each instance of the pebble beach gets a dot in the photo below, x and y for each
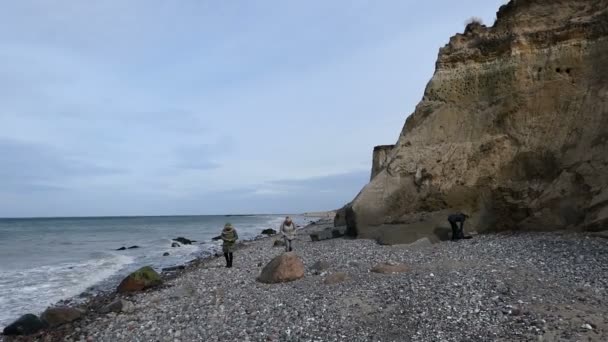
(498, 287)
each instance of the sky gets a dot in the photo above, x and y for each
(155, 107)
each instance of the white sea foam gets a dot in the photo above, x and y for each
(32, 290)
(26, 287)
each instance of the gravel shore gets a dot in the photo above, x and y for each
(502, 287)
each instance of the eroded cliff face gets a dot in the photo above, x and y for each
(512, 128)
(380, 158)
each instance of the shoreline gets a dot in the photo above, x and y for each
(94, 298)
(525, 286)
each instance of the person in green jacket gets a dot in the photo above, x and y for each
(229, 237)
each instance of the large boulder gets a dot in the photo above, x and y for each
(60, 315)
(26, 325)
(283, 268)
(328, 233)
(512, 129)
(139, 280)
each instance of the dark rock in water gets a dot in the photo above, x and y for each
(166, 254)
(26, 325)
(175, 244)
(122, 249)
(279, 243)
(269, 231)
(141, 279)
(184, 241)
(60, 315)
(216, 238)
(174, 268)
(133, 247)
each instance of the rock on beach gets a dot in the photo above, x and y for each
(26, 325)
(139, 280)
(283, 268)
(57, 316)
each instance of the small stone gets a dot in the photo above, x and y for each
(336, 278)
(388, 268)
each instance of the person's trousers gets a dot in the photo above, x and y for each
(457, 232)
(229, 257)
(287, 244)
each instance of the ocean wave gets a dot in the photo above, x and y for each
(32, 290)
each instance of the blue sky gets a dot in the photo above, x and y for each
(207, 107)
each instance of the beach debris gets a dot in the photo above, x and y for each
(328, 233)
(320, 265)
(141, 279)
(335, 278)
(175, 244)
(119, 305)
(184, 290)
(57, 316)
(26, 325)
(269, 231)
(184, 241)
(166, 254)
(389, 268)
(173, 268)
(278, 243)
(283, 268)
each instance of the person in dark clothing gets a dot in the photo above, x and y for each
(458, 232)
(229, 237)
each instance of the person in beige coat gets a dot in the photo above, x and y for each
(288, 230)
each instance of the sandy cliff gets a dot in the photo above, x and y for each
(512, 128)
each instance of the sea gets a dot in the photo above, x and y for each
(47, 260)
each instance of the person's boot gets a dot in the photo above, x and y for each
(231, 256)
(227, 256)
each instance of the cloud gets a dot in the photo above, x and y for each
(27, 166)
(334, 189)
(166, 107)
(203, 156)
